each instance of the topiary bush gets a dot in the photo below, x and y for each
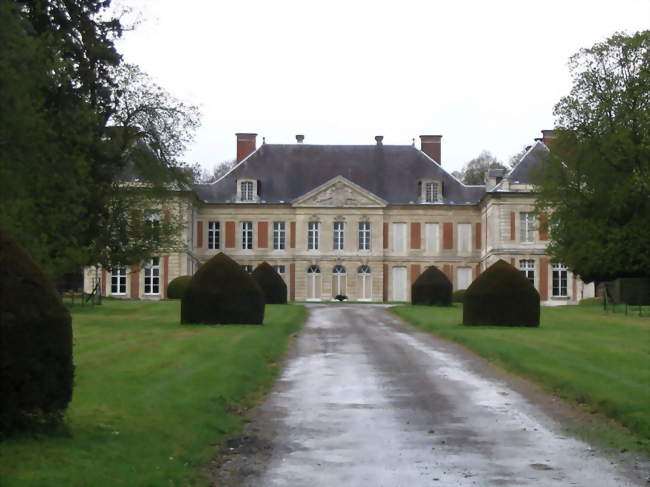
(458, 296)
(503, 296)
(432, 287)
(222, 292)
(176, 287)
(271, 283)
(632, 290)
(36, 370)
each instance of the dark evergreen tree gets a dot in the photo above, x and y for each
(221, 292)
(177, 287)
(502, 296)
(432, 287)
(36, 370)
(271, 283)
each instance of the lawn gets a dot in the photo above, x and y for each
(598, 359)
(152, 398)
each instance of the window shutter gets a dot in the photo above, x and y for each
(415, 235)
(448, 235)
(199, 234)
(477, 236)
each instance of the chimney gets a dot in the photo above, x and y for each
(379, 139)
(431, 146)
(300, 138)
(547, 137)
(246, 145)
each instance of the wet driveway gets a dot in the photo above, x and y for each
(366, 401)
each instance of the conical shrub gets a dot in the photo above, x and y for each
(36, 370)
(177, 287)
(221, 292)
(432, 287)
(271, 283)
(503, 296)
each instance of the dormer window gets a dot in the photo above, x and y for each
(429, 191)
(248, 190)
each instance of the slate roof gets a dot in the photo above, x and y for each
(530, 161)
(288, 171)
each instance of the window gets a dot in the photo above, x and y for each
(527, 267)
(280, 269)
(526, 227)
(314, 283)
(464, 237)
(464, 277)
(339, 235)
(431, 192)
(278, 235)
(118, 280)
(152, 276)
(399, 237)
(431, 237)
(246, 235)
(339, 281)
(246, 190)
(312, 235)
(364, 235)
(364, 280)
(559, 280)
(213, 235)
(152, 223)
(247, 268)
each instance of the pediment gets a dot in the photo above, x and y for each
(339, 192)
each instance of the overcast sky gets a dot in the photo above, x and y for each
(484, 74)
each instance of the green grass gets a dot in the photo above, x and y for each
(600, 360)
(151, 397)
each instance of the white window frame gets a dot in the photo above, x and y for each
(118, 281)
(560, 281)
(279, 235)
(526, 227)
(340, 276)
(247, 235)
(214, 235)
(431, 192)
(280, 269)
(364, 235)
(432, 237)
(364, 273)
(527, 268)
(315, 282)
(398, 231)
(248, 268)
(313, 235)
(464, 231)
(338, 233)
(247, 190)
(152, 277)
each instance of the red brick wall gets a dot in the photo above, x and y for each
(477, 236)
(415, 272)
(262, 234)
(135, 282)
(230, 235)
(292, 280)
(416, 237)
(543, 278)
(543, 226)
(292, 235)
(385, 236)
(245, 145)
(448, 235)
(104, 288)
(513, 234)
(448, 269)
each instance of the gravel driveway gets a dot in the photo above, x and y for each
(366, 401)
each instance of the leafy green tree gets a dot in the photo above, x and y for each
(75, 126)
(596, 185)
(475, 170)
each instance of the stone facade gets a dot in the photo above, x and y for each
(339, 237)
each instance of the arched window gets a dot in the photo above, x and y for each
(339, 281)
(364, 283)
(313, 283)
